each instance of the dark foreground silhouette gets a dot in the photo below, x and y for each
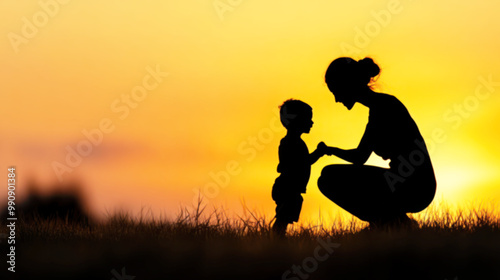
(444, 247)
(377, 195)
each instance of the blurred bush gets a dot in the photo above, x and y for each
(63, 203)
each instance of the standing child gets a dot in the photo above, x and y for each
(294, 163)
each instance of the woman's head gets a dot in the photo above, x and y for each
(346, 78)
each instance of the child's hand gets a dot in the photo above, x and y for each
(322, 148)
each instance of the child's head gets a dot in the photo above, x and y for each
(296, 115)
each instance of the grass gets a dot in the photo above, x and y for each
(202, 244)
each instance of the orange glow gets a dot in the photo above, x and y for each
(211, 124)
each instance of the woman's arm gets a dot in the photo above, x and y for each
(359, 155)
(355, 156)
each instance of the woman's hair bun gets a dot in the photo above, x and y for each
(367, 68)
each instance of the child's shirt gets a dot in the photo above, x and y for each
(294, 165)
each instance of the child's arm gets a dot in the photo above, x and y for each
(319, 152)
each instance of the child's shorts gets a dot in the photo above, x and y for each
(288, 207)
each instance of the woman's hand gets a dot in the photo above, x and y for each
(331, 150)
(320, 151)
(322, 148)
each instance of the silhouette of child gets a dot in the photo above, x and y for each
(294, 163)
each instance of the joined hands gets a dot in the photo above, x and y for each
(324, 149)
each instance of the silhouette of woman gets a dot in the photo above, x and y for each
(381, 196)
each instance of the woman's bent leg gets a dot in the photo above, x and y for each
(361, 190)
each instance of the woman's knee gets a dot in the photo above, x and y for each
(322, 185)
(336, 174)
(334, 171)
(331, 181)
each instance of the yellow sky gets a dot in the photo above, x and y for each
(67, 66)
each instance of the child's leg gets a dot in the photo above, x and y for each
(280, 226)
(281, 222)
(287, 212)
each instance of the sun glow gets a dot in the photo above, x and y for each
(215, 112)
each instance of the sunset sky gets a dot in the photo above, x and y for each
(185, 94)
